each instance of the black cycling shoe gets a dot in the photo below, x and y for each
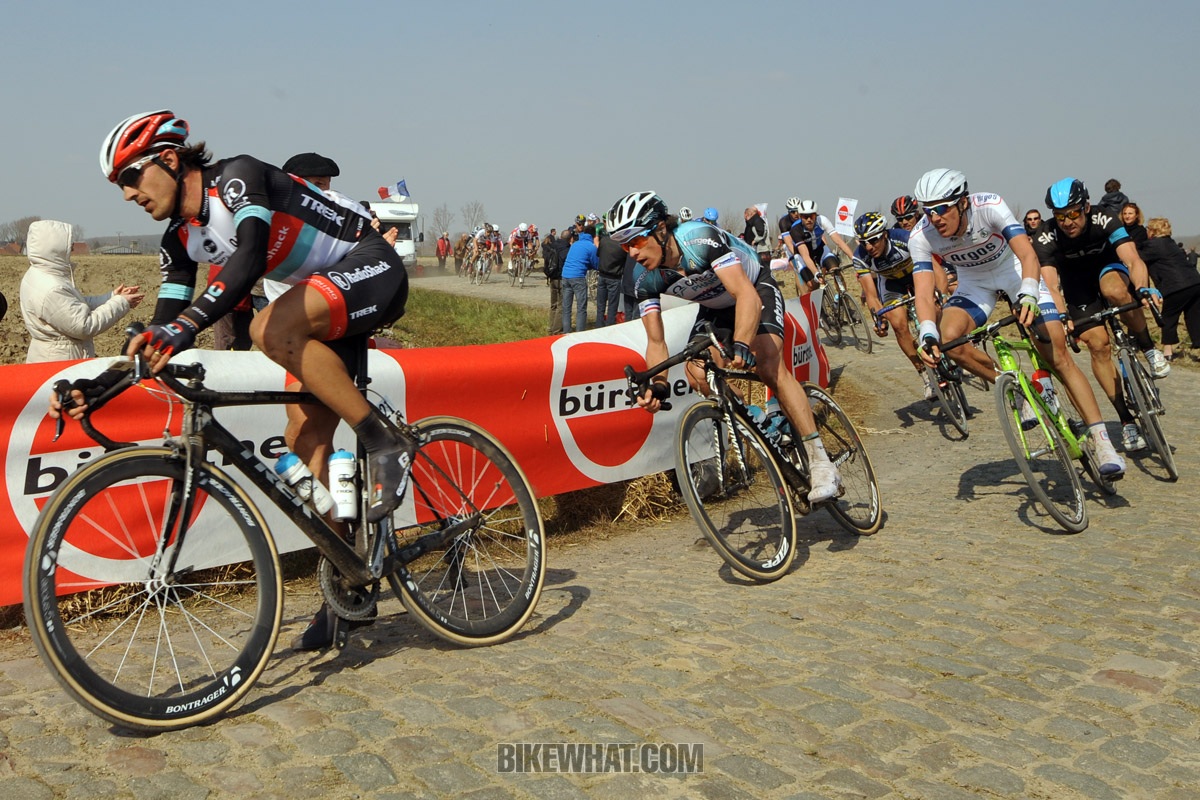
(390, 468)
(327, 629)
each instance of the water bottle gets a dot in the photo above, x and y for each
(1045, 387)
(342, 467)
(778, 429)
(298, 476)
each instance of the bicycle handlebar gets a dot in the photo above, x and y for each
(698, 347)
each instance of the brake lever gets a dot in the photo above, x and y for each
(62, 391)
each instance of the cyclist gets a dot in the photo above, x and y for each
(701, 263)
(884, 269)
(815, 230)
(253, 219)
(979, 236)
(711, 216)
(685, 214)
(906, 211)
(522, 239)
(1088, 250)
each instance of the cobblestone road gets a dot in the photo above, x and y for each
(967, 650)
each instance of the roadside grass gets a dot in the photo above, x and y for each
(440, 319)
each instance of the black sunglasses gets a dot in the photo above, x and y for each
(133, 173)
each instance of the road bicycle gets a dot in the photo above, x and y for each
(743, 488)
(1044, 432)
(152, 583)
(1138, 385)
(839, 308)
(522, 266)
(947, 376)
(482, 272)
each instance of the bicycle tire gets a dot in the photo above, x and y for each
(1053, 480)
(735, 491)
(484, 587)
(857, 323)
(1147, 408)
(860, 509)
(140, 647)
(516, 273)
(950, 398)
(830, 316)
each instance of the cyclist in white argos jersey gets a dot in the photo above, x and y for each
(701, 263)
(978, 235)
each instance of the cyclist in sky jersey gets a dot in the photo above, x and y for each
(701, 263)
(979, 236)
(1088, 250)
(255, 220)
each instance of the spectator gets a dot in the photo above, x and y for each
(553, 270)
(460, 252)
(756, 236)
(1192, 258)
(1033, 223)
(629, 278)
(1179, 283)
(1131, 218)
(611, 266)
(444, 249)
(1114, 199)
(61, 320)
(566, 242)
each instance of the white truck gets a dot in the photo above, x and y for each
(401, 215)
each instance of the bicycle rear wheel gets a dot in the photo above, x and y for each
(859, 509)
(483, 586)
(1041, 456)
(735, 491)
(1148, 408)
(855, 319)
(139, 622)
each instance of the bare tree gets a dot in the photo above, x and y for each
(76, 233)
(473, 214)
(17, 230)
(442, 217)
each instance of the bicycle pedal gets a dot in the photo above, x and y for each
(341, 634)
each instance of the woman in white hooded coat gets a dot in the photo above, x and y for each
(60, 319)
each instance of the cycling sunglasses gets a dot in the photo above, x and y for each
(940, 209)
(872, 240)
(906, 217)
(1074, 214)
(133, 173)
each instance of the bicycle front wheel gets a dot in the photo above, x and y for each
(950, 398)
(483, 586)
(735, 491)
(831, 314)
(1041, 456)
(1148, 409)
(857, 322)
(859, 509)
(155, 602)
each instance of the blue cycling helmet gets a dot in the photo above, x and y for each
(710, 215)
(1066, 193)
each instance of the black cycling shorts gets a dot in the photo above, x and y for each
(365, 290)
(772, 311)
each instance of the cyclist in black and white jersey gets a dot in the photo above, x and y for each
(979, 236)
(701, 263)
(1089, 251)
(804, 233)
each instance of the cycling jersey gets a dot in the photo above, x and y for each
(1081, 260)
(257, 220)
(984, 243)
(815, 239)
(707, 249)
(895, 264)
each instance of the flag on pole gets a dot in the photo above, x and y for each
(843, 222)
(396, 189)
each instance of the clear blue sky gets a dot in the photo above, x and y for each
(541, 110)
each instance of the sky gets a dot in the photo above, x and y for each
(541, 110)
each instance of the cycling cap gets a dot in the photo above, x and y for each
(139, 135)
(807, 207)
(710, 214)
(635, 215)
(312, 165)
(870, 225)
(1066, 193)
(941, 184)
(904, 205)
(793, 203)
(684, 214)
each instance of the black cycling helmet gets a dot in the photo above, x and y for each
(1066, 193)
(905, 205)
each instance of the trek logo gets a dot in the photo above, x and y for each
(362, 312)
(345, 280)
(234, 191)
(320, 208)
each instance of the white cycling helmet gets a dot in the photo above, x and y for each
(522, 227)
(684, 214)
(793, 204)
(635, 215)
(941, 184)
(807, 207)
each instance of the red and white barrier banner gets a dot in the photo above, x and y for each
(558, 404)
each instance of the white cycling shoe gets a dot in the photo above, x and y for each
(1108, 462)
(1131, 438)
(1159, 366)
(825, 482)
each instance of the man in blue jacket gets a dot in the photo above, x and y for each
(582, 257)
